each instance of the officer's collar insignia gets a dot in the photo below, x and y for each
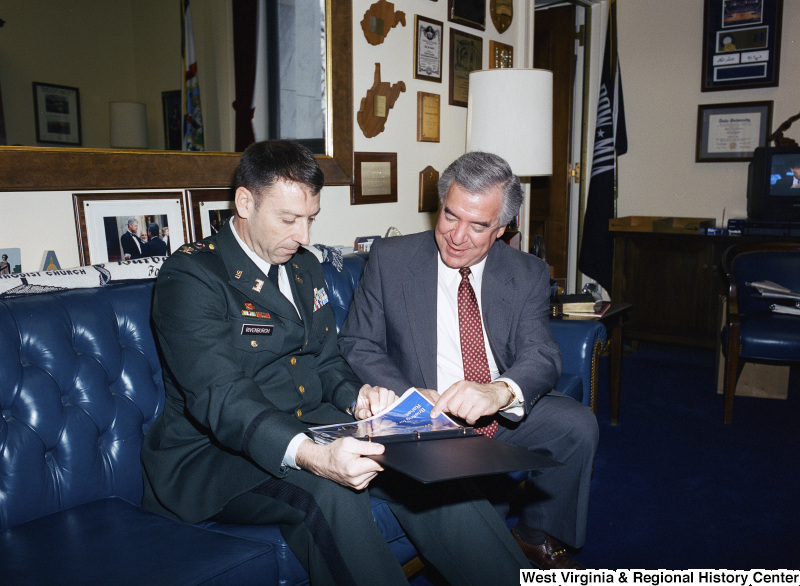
(258, 285)
(238, 274)
(298, 279)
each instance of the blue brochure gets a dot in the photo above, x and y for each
(407, 418)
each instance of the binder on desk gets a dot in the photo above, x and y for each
(432, 449)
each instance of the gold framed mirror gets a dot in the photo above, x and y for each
(45, 169)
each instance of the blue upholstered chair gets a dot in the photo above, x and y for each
(752, 332)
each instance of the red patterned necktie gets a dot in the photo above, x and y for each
(473, 349)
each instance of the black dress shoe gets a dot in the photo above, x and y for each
(550, 555)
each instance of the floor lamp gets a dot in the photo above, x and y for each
(510, 113)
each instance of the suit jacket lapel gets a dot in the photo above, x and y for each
(421, 306)
(303, 298)
(497, 300)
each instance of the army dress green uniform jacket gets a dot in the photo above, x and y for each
(243, 372)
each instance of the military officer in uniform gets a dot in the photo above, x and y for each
(251, 361)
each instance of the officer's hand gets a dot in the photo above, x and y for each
(343, 461)
(471, 401)
(372, 400)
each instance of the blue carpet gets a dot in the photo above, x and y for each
(674, 488)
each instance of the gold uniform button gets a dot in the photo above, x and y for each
(299, 413)
(326, 328)
(302, 389)
(293, 361)
(211, 246)
(254, 343)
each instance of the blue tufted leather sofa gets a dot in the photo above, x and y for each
(80, 382)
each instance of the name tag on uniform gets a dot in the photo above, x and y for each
(257, 330)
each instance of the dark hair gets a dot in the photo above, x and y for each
(153, 229)
(478, 172)
(264, 163)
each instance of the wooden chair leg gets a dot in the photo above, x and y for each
(732, 370)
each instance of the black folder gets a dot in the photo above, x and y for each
(465, 456)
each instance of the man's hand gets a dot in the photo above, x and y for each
(471, 401)
(343, 461)
(372, 400)
(429, 394)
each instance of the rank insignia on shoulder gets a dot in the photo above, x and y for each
(187, 249)
(320, 298)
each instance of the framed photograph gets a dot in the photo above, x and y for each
(428, 48)
(731, 132)
(741, 44)
(171, 113)
(209, 209)
(57, 110)
(374, 178)
(500, 56)
(122, 226)
(10, 261)
(428, 108)
(471, 13)
(466, 55)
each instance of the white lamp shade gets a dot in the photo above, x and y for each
(128, 125)
(510, 113)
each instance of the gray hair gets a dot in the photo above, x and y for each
(478, 172)
(132, 221)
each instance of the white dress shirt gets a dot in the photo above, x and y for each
(449, 365)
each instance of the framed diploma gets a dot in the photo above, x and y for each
(731, 132)
(466, 55)
(428, 117)
(374, 178)
(741, 44)
(428, 49)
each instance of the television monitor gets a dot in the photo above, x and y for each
(773, 184)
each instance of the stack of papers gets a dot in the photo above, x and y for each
(771, 290)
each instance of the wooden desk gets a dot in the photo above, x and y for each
(613, 320)
(674, 283)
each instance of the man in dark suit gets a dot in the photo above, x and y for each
(786, 184)
(154, 245)
(251, 364)
(131, 244)
(403, 330)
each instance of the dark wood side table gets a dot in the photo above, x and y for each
(613, 319)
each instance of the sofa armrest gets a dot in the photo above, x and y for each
(581, 342)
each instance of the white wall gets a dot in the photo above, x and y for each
(660, 51)
(37, 221)
(660, 48)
